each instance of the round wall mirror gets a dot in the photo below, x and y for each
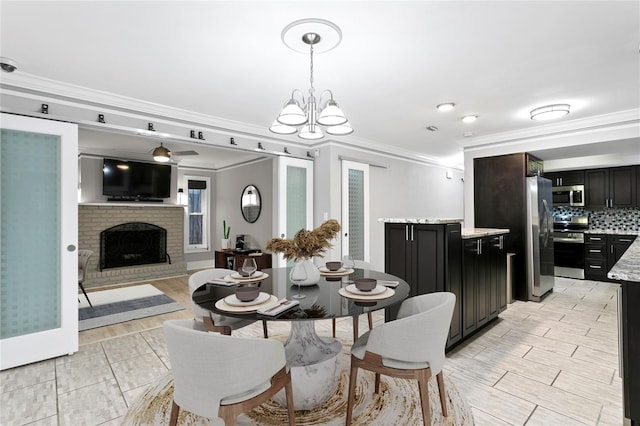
(250, 203)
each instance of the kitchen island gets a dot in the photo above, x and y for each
(627, 272)
(428, 254)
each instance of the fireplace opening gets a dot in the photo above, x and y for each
(133, 243)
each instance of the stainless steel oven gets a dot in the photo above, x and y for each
(568, 196)
(568, 246)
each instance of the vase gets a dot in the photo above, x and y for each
(309, 270)
(226, 243)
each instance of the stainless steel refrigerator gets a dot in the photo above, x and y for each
(539, 242)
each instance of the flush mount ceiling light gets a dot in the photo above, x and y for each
(161, 154)
(469, 118)
(550, 112)
(446, 106)
(309, 35)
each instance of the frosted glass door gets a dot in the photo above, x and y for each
(294, 198)
(355, 210)
(38, 237)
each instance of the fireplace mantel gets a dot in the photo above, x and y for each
(130, 204)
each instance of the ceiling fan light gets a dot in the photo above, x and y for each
(292, 114)
(340, 130)
(282, 129)
(550, 112)
(309, 132)
(161, 154)
(331, 115)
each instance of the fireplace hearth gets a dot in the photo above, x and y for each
(133, 243)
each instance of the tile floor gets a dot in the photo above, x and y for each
(549, 363)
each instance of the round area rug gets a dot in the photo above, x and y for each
(397, 404)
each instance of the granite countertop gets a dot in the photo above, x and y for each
(611, 232)
(424, 220)
(628, 267)
(468, 233)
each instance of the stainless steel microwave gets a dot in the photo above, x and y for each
(568, 195)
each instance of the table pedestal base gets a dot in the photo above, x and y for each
(315, 366)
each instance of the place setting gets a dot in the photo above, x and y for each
(366, 289)
(247, 274)
(335, 269)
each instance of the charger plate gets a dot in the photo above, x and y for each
(339, 273)
(224, 306)
(384, 295)
(232, 277)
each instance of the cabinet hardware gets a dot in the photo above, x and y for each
(624, 240)
(411, 232)
(595, 267)
(595, 239)
(611, 248)
(406, 232)
(595, 251)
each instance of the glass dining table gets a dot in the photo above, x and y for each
(314, 360)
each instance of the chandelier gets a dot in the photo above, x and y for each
(300, 35)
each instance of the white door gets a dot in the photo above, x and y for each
(38, 240)
(293, 198)
(355, 210)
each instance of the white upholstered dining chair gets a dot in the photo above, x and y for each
(222, 376)
(206, 319)
(360, 264)
(410, 347)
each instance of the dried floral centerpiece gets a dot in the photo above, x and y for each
(304, 246)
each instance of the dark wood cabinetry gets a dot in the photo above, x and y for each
(428, 258)
(612, 187)
(230, 259)
(569, 178)
(629, 350)
(602, 252)
(484, 281)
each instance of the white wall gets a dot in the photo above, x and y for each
(400, 189)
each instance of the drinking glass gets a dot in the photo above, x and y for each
(249, 266)
(297, 275)
(347, 262)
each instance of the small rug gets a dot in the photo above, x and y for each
(123, 304)
(397, 404)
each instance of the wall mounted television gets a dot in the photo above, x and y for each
(134, 181)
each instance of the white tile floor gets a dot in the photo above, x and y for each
(549, 363)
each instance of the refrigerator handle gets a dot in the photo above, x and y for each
(546, 223)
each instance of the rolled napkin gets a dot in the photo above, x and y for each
(278, 308)
(223, 282)
(391, 284)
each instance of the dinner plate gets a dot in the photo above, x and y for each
(378, 289)
(234, 301)
(236, 275)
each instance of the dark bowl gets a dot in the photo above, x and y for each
(247, 293)
(333, 266)
(366, 284)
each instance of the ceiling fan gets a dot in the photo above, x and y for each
(162, 154)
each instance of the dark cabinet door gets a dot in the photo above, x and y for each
(618, 244)
(569, 178)
(622, 187)
(497, 278)
(428, 247)
(596, 188)
(454, 279)
(483, 283)
(398, 252)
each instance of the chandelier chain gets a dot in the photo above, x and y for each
(311, 89)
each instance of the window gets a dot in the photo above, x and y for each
(196, 226)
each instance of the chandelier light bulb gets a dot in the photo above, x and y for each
(310, 132)
(340, 129)
(282, 129)
(332, 115)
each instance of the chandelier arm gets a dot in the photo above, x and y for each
(320, 103)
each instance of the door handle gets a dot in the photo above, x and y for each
(71, 248)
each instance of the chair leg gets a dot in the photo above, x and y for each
(351, 398)
(85, 294)
(175, 409)
(370, 319)
(288, 391)
(355, 328)
(443, 395)
(265, 331)
(377, 384)
(423, 387)
(333, 327)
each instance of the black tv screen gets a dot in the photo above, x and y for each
(130, 179)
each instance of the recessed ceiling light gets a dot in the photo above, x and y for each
(469, 118)
(446, 106)
(550, 112)
(432, 128)
(467, 134)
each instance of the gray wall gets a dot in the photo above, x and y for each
(401, 189)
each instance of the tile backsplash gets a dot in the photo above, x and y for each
(614, 219)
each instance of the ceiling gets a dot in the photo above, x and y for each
(396, 62)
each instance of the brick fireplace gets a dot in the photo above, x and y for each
(93, 219)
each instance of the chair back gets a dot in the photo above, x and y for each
(83, 261)
(199, 278)
(208, 367)
(419, 334)
(361, 264)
